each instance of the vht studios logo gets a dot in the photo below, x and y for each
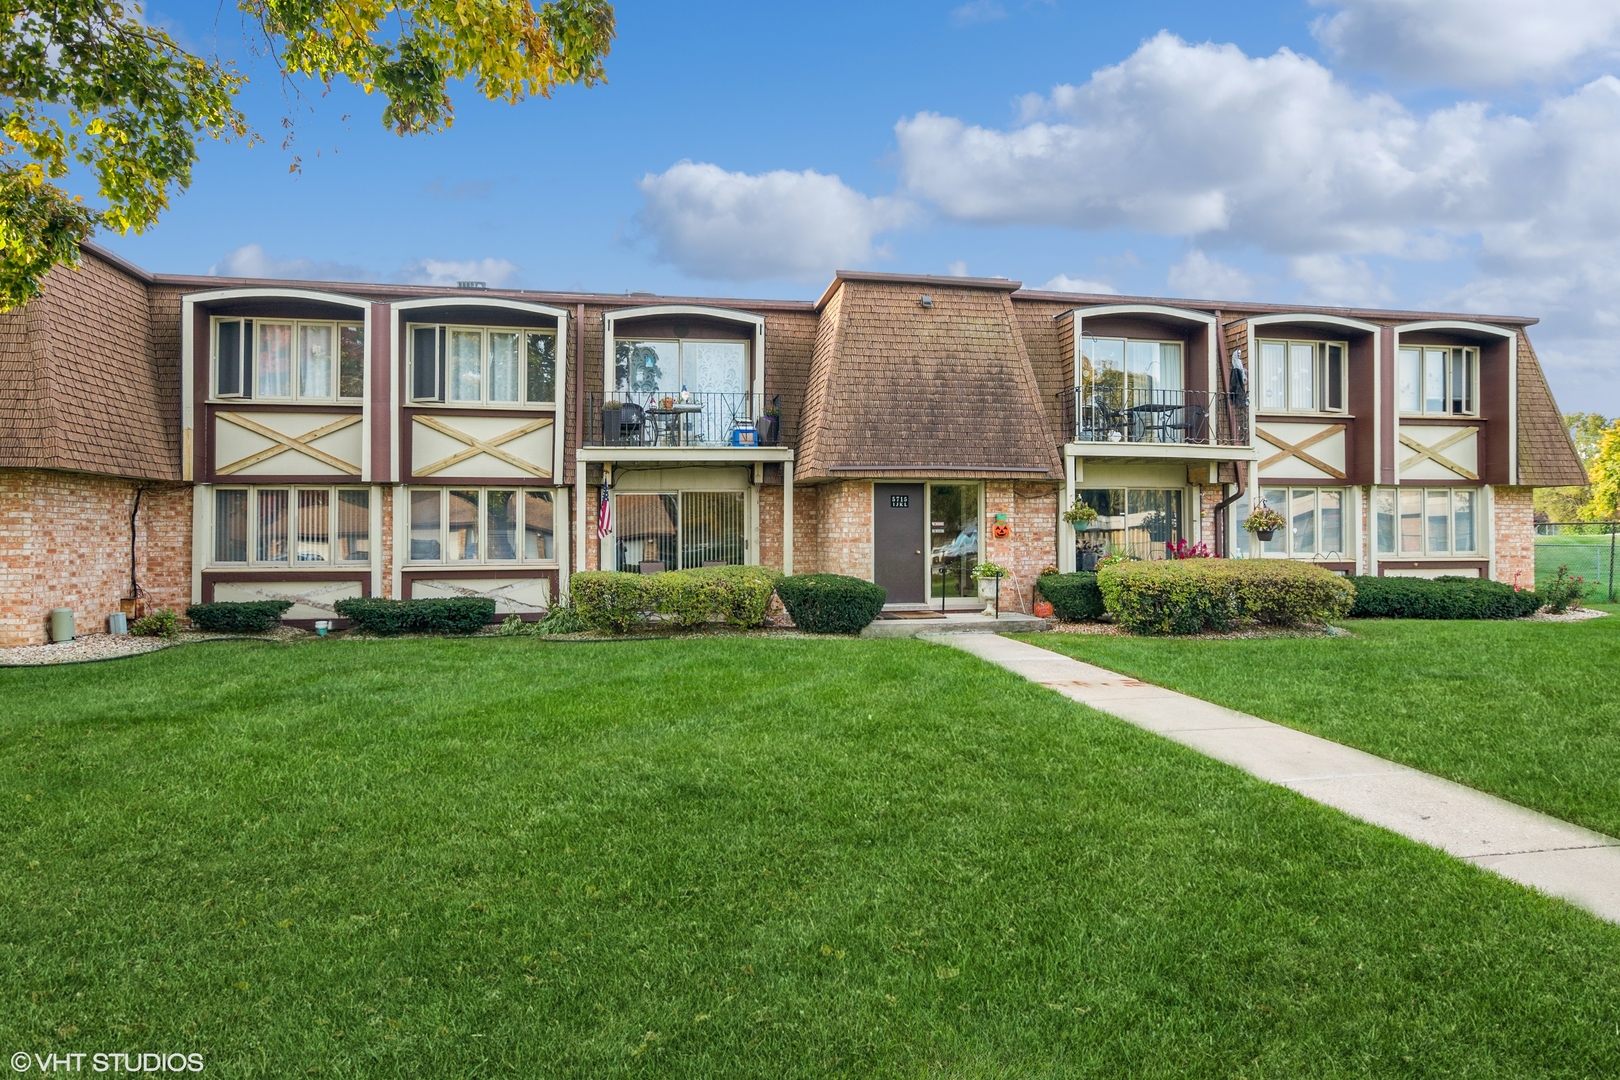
(22, 1062)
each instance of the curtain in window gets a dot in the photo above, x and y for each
(462, 525)
(425, 525)
(1438, 523)
(645, 527)
(1301, 376)
(1462, 509)
(712, 529)
(503, 365)
(1276, 499)
(1153, 519)
(1331, 533)
(315, 361)
(542, 367)
(464, 373)
(539, 529)
(230, 526)
(275, 360)
(1302, 521)
(354, 525)
(714, 367)
(1411, 522)
(1384, 508)
(314, 525)
(1273, 375)
(272, 526)
(1409, 376)
(1434, 380)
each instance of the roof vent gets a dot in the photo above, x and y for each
(472, 285)
(925, 300)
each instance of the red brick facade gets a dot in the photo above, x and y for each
(1031, 545)
(1514, 536)
(64, 542)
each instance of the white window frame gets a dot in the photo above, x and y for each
(442, 333)
(248, 367)
(1469, 353)
(1319, 377)
(1254, 548)
(291, 563)
(1181, 347)
(483, 559)
(1481, 533)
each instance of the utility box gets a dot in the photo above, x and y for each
(61, 624)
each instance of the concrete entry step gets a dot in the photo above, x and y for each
(957, 622)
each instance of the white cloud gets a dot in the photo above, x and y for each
(740, 227)
(1338, 281)
(1199, 277)
(1472, 42)
(957, 268)
(252, 261)
(1065, 283)
(493, 272)
(977, 11)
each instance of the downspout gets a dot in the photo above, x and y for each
(134, 584)
(1223, 368)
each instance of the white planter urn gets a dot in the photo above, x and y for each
(987, 593)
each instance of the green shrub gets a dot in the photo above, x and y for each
(163, 624)
(617, 602)
(1564, 592)
(1074, 597)
(449, 615)
(244, 617)
(561, 618)
(1187, 596)
(514, 626)
(831, 603)
(1447, 597)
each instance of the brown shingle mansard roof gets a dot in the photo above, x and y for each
(89, 373)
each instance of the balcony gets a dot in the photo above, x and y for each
(698, 421)
(1137, 415)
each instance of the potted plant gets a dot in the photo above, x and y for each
(769, 424)
(1264, 522)
(1080, 515)
(989, 575)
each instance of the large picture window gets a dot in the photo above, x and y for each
(289, 360)
(1427, 521)
(1131, 521)
(680, 531)
(1301, 376)
(657, 368)
(482, 365)
(1318, 523)
(1111, 364)
(292, 526)
(482, 525)
(1438, 381)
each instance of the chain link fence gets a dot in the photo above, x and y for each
(1588, 548)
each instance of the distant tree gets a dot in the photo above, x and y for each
(1570, 503)
(89, 81)
(1605, 475)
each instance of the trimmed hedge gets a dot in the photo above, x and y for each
(1187, 596)
(831, 603)
(1074, 597)
(1441, 598)
(616, 602)
(450, 615)
(238, 617)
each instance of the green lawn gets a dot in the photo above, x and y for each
(1527, 711)
(725, 858)
(1586, 556)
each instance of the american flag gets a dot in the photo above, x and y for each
(604, 515)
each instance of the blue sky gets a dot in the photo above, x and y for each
(1458, 154)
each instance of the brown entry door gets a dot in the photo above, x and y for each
(899, 542)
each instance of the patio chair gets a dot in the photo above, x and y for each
(1188, 423)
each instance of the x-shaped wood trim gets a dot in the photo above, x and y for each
(476, 446)
(1433, 453)
(1297, 450)
(284, 443)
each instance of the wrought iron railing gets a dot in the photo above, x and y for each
(701, 419)
(1122, 414)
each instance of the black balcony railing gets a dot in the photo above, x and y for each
(706, 419)
(1103, 413)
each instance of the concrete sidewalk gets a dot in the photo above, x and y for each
(1522, 845)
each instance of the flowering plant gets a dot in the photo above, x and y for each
(1115, 559)
(989, 570)
(1180, 549)
(1080, 513)
(1265, 519)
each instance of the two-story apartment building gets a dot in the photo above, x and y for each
(168, 439)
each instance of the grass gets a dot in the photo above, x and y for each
(724, 858)
(1586, 555)
(1523, 710)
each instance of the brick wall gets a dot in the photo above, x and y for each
(1203, 530)
(845, 523)
(806, 530)
(1514, 540)
(1031, 510)
(770, 528)
(64, 542)
(388, 543)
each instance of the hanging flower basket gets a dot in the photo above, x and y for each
(1264, 522)
(1080, 515)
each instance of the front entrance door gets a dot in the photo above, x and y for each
(899, 540)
